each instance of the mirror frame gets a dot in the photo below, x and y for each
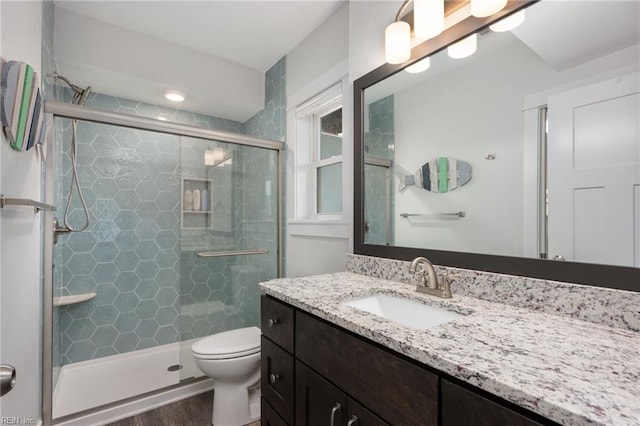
(608, 276)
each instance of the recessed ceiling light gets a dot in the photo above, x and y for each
(174, 95)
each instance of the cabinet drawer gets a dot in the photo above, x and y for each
(462, 407)
(357, 415)
(277, 322)
(277, 381)
(389, 385)
(268, 416)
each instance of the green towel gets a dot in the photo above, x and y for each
(443, 174)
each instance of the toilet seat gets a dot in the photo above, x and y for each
(228, 344)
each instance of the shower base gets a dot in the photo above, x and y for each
(105, 381)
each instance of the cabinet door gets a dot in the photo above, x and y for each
(269, 416)
(462, 407)
(277, 380)
(318, 402)
(357, 415)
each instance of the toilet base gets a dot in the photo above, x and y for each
(234, 405)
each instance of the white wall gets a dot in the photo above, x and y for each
(316, 64)
(20, 231)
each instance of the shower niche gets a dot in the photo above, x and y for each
(196, 203)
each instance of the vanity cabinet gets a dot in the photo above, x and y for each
(316, 373)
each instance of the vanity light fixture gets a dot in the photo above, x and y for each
(463, 48)
(508, 23)
(484, 8)
(419, 66)
(428, 22)
(174, 95)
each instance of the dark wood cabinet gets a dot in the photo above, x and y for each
(462, 407)
(314, 371)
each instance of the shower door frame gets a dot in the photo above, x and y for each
(70, 111)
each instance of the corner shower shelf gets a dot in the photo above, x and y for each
(70, 300)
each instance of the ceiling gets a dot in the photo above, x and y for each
(135, 48)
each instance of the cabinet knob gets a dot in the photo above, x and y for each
(271, 322)
(334, 410)
(274, 378)
(352, 421)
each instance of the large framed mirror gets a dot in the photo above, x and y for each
(523, 158)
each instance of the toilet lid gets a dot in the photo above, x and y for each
(242, 341)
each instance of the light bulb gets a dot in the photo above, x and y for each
(397, 42)
(484, 8)
(463, 48)
(428, 18)
(174, 95)
(419, 66)
(508, 23)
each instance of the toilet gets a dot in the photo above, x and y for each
(232, 360)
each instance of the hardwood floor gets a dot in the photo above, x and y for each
(194, 411)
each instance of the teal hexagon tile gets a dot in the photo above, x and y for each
(167, 201)
(81, 284)
(166, 239)
(166, 258)
(126, 199)
(104, 352)
(104, 209)
(104, 251)
(166, 315)
(166, 278)
(167, 220)
(147, 309)
(147, 191)
(126, 322)
(126, 342)
(77, 218)
(166, 334)
(200, 328)
(127, 138)
(105, 102)
(127, 220)
(126, 260)
(147, 229)
(81, 242)
(104, 315)
(126, 302)
(105, 294)
(81, 263)
(200, 292)
(147, 209)
(147, 343)
(167, 144)
(126, 281)
(147, 250)
(146, 269)
(80, 351)
(105, 230)
(200, 274)
(185, 300)
(106, 167)
(185, 322)
(166, 296)
(126, 181)
(148, 150)
(86, 175)
(146, 329)
(146, 172)
(146, 289)
(104, 188)
(80, 329)
(104, 336)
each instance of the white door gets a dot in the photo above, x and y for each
(594, 173)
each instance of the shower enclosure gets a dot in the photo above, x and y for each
(183, 224)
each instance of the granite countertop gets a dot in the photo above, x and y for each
(570, 371)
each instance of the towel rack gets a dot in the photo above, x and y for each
(456, 214)
(232, 253)
(37, 206)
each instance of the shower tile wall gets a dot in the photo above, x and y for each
(379, 143)
(149, 290)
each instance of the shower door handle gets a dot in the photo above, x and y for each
(7, 378)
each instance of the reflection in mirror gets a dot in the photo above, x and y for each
(547, 116)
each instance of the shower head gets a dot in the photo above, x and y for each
(79, 94)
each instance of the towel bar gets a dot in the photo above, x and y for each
(232, 253)
(458, 214)
(37, 206)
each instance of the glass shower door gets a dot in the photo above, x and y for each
(228, 237)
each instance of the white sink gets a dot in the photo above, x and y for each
(403, 311)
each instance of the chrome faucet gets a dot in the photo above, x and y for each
(429, 280)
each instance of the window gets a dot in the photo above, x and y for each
(319, 163)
